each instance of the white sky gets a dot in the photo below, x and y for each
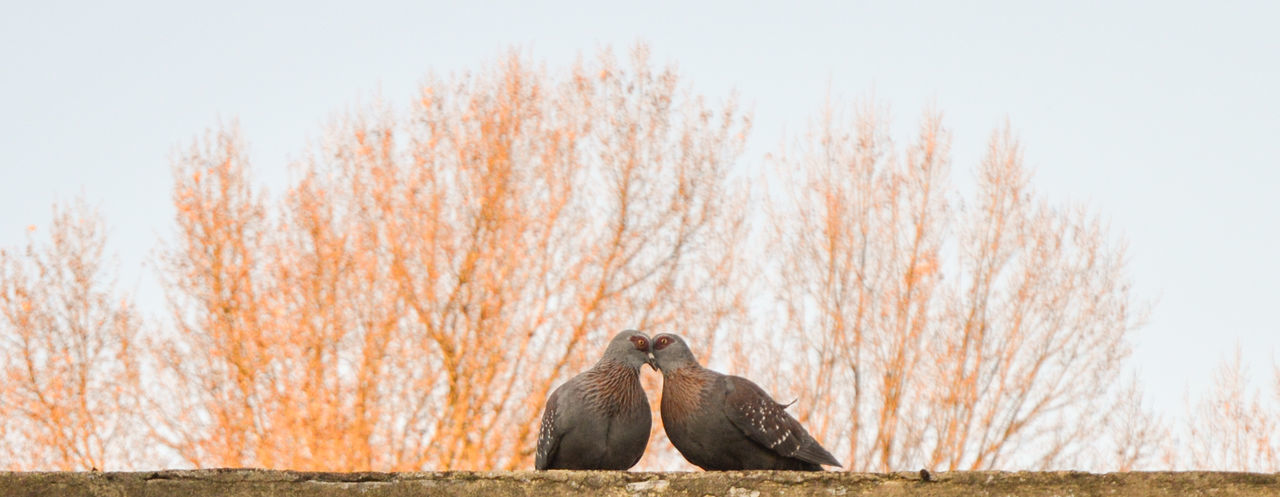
(1162, 116)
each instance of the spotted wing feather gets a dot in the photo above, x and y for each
(766, 422)
(548, 434)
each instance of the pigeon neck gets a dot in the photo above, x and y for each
(688, 368)
(613, 368)
(607, 362)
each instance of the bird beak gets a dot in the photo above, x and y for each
(652, 362)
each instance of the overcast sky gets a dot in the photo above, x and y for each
(1161, 116)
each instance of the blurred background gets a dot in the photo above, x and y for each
(984, 236)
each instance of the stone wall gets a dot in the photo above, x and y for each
(253, 482)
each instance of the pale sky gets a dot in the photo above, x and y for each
(1161, 116)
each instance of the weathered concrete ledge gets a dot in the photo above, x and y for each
(256, 482)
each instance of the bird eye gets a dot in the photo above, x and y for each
(661, 343)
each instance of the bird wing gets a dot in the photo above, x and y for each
(767, 423)
(548, 434)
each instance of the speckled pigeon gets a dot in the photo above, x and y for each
(722, 422)
(600, 418)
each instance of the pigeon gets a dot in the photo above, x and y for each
(723, 422)
(600, 418)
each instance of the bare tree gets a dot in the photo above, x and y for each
(69, 349)
(1234, 426)
(939, 333)
(215, 361)
(1138, 437)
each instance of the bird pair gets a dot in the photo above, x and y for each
(600, 418)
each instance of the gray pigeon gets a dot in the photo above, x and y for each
(722, 422)
(600, 418)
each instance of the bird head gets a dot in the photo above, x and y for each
(671, 353)
(630, 347)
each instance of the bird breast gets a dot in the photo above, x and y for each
(613, 388)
